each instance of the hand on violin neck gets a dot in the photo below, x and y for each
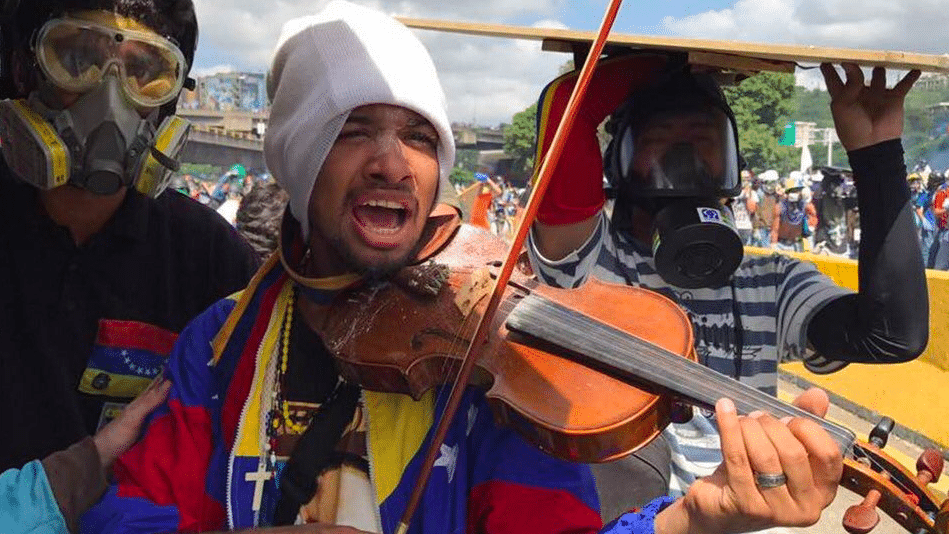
(731, 499)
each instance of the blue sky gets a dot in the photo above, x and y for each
(488, 80)
(634, 17)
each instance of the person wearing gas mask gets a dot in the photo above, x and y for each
(99, 269)
(794, 217)
(834, 200)
(674, 160)
(744, 207)
(764, 210)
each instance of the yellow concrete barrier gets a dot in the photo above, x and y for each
(844, 272)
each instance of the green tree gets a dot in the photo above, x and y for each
(467, 159)
(520, 138)
(763, 104)
(466, 163)
(924, 135)
(201, 170)
(813, 105)
(460, 176)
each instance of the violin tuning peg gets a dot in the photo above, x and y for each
(929, 466)
(881, 432)
(860, 519)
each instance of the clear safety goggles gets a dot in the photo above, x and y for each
(76, 54)
(680, 153)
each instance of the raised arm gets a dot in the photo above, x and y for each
(888, 320)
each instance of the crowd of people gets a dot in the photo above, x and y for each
(250, 203)
(818, 212)
(222, 195)
(931, 205)
(495, 204)
(115, 289)
(801, 212)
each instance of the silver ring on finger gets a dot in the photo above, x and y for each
(769, 480)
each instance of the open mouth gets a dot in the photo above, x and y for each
(381, 221)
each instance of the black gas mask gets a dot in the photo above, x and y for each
(674, 155)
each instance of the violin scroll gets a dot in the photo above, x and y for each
(890, 487)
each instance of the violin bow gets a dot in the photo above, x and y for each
(530, 212)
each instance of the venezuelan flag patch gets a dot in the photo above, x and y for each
(126, 357)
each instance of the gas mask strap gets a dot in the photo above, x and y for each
(165, 161)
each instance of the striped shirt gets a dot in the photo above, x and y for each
(773, 297)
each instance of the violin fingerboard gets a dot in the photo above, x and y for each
(635, 361)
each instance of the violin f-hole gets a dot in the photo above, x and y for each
(417, 340)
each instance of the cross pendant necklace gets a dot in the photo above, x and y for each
(259, 477)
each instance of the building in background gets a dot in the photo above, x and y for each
(228, 91)
(932, 80)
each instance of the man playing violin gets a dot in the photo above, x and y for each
(674, 163)
(259, 429)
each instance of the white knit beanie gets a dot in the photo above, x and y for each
(327, 64)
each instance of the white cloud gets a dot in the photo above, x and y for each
(482, 89)
(550, 23)
(908, 25)
(211, 71)
(904, 25)
(486, 80)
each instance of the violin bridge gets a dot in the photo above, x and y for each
(424, 280)
(471, 292)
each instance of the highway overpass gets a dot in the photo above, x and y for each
(223, 138)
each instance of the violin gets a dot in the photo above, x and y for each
(587, 375)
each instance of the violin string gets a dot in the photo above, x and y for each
(728, 387)
(674, 372)
(895, 480)
(731, 388)
(455, 354)
(675, 365)
(459, 344)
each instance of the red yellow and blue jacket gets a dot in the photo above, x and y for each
(187, 473)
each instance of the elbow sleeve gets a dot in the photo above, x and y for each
(888, 320)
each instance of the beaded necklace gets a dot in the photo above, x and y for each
(280, 410)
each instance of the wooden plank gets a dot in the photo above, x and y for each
(566, 40)
(739, 63)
